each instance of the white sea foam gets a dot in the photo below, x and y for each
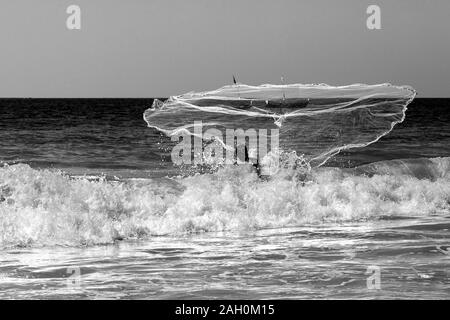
(46, 207)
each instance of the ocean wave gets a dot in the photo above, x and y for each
(41, 207)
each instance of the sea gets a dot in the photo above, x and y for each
(91, 207)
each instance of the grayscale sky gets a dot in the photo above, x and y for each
(148, 48)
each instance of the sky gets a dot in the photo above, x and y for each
(158, 48)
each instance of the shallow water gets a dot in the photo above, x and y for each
(330, 261)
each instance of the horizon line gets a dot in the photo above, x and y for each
(150, 97)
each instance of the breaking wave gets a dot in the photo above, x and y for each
(48, 207)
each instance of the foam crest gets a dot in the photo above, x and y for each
(46, 208)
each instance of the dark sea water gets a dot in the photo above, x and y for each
(92, 207)
(111, 134)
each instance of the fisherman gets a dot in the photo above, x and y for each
(248, 158)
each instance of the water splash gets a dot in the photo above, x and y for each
(47, 207)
